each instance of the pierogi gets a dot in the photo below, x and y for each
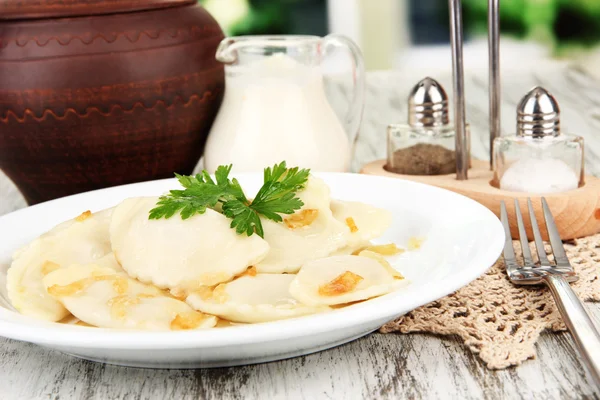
(81, 240)
(344, 279)
(310, 233)
(259, 298)
(181, 255)
(364, 221)
(103, 297)
(121, 269)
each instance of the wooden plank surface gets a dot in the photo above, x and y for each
(378, 366)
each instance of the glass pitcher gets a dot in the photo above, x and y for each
(275, 107)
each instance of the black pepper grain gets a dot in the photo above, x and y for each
(423, 159)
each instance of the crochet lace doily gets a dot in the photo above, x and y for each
(500, 321)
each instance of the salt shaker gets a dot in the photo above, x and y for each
(539, 158)
(426, 145)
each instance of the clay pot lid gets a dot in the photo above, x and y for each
(31, 9)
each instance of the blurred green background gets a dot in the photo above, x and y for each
(255, 17)
(563, 25)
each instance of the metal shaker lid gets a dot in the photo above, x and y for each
(538, 114)
(428, 104)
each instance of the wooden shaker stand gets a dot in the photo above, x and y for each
(576, 212)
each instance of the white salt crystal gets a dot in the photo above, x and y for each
(539, 176)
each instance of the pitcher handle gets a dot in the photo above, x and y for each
(354, 115)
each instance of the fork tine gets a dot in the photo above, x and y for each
(509, 252)
(523, 236)
(560, 257)
(537, 236)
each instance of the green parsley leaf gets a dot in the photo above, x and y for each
(244, 218)
(200, 192)
(278, 193)
(276, 196)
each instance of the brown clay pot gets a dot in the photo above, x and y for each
(125, 91)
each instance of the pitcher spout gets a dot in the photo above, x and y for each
(226, 53)
(239, 49)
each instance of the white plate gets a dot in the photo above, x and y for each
(462, 240)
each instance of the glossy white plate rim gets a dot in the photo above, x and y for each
(46, 333)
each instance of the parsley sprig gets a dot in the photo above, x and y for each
(276, 196)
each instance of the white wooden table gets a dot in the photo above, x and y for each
(377, 366)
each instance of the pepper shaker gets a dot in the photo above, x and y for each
(539, 158)
(426, 145)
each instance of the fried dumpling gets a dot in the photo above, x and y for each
(364, 221)
(178, 254)
(259, 298)
(81, 240)
(103, 297)
(310, 233)
(109, 261)
(72, 320)
(344, 279)
(352, 248)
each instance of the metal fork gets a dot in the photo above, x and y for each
(556, 276)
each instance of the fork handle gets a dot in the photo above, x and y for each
(587, 337)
